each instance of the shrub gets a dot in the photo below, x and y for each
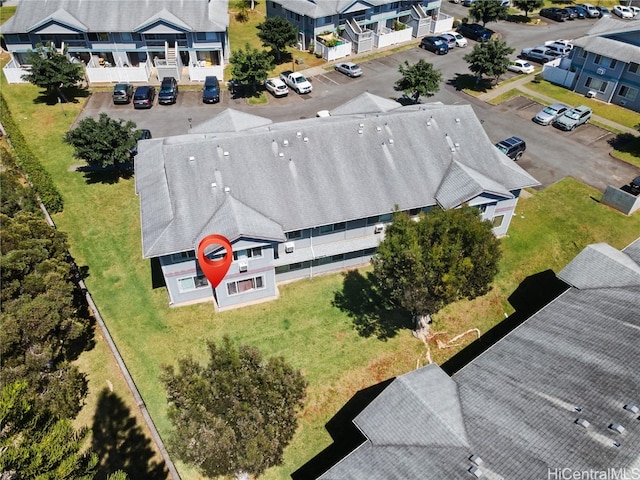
(35, 173)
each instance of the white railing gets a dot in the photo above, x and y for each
(197, 72)
(333, 53)
(13, 72)
(552, 72)
(443, 23)
(140, 73)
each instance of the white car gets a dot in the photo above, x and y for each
(635, 10)
(460, 40)
(349, 68)
(521, 66)
(277, 87)
(623, 11)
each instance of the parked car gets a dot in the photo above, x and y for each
(575, 12)
(521, 66)
(211, 90)
(144, 96)
(571, 14)
(573, 118)
(592, 12)
(539, 54)
(623, 11)
(434, 44)
(277, 87)
(122, 93)
(582, 12)
(142, 134)
(349, 68)
(557, 14)
(449, 40)
(475, 31)
(604, 11)
(562, 49)
(548, 114)
(635, 10)
(460, 40)
(168, 91)
(635, 186)
(512, 147)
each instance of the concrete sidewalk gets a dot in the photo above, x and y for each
(521, 83)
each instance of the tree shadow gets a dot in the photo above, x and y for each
(157, 277)
(627, 143)
(69, 95)
(370, 313)
(533, 293)
(120, 443)
(518, 19)
(405, 100)
(285, 57)
(345, 435)
(466, 81)
(107, 175)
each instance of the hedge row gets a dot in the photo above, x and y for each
(38, 177)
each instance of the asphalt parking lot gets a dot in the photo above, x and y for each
(551, 154)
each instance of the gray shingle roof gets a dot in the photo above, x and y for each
(312, 172)
(365, 103)
(575, 358)
(119, 15)
(612, 38)
(230, 120)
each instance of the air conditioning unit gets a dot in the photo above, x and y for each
(379, 228)
(242, 266)
(601, 71)
(289, 247)
(591, 94)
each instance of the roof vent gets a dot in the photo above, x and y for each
(298, 134)
(378, 129)
(391, 141)
(225, 153)
(632, 408)
(360, 131)
(428, 123)
(457, 145)
(577, 409)
(452, 148)
(476, 459)
(582, 422)
(192, 158)
(457, 120)
(475, 471)
(214, 184)
(227, 189)
(362, 125)
(305, 139)
(281, 155)
(285, 143)
(616, 444)
(616, 427)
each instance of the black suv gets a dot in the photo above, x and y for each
(475, 31)
(122, 93)
(435, 44)
(168, 91)
(142, 134)
(512, 147)
(144, 96)
(211, 90)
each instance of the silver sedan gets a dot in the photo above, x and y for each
(349, 68)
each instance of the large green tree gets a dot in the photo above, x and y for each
(419, 79)
(447, 255)
(52, 70)
(235, 415)
(250, 66)
(489, 58)
(277, 33)
(528, 5)
(36, 446)
(488, 11)
(104, 142)
(41, 326)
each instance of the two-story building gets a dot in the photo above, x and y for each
(361, 25)
(305, 197)
(604, 64)
(123, 40)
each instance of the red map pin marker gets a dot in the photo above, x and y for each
(215, 270)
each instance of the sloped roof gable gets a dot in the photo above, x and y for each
(60, 17)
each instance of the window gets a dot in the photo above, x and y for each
(612, 63)
(628, 92)
(295, 234)
(255, 252)
(583, 53)
(126, 37)
(178, 257)
(188, 284)
(597, 60)
(497, 221)
(633, 67)
(243, 286)
(336, 227)
(596, 84)
(17, 38)
(98, 36)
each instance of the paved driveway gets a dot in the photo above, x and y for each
(551, 154)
